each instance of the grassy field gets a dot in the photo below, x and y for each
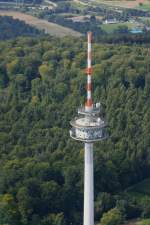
(50, 28)
(79, 4)
(145, 7)
(145, 19)
(109, 28)
(125, 3)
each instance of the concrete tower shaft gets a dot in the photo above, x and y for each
(88, 218)
(88, 127)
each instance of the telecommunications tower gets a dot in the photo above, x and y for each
(88, 127)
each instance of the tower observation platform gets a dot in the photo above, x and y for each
(88, 127)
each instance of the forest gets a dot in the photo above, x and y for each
(11, 28)
(42, 82)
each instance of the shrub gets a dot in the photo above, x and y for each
(145, 222)
(112, 217)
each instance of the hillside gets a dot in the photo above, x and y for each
(50, 28)
(25, 1)
(11, 28)
(42, 82)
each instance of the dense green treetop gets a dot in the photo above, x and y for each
(42, 82)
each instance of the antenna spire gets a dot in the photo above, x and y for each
(89, 101)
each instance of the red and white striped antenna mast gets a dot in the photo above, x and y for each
(89, 102)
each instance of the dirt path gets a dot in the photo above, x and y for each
(50, 28)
